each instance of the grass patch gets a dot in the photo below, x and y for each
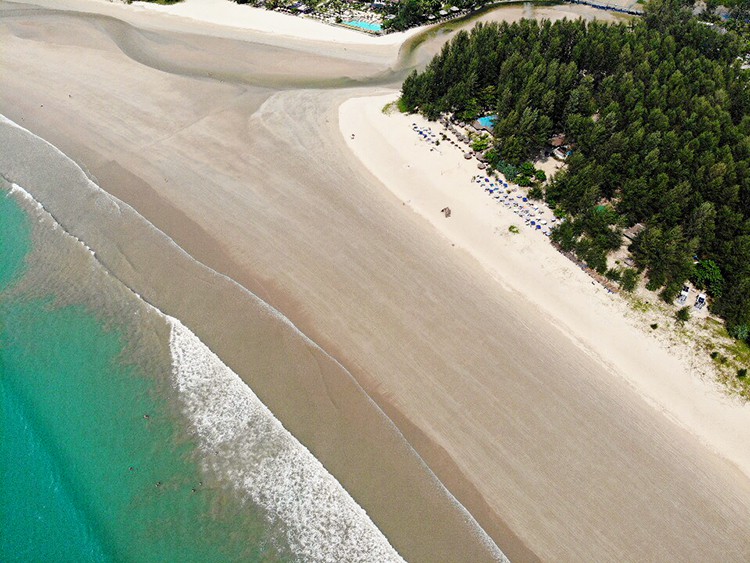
(640, 305)
(397, 105)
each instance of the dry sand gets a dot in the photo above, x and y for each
(554, 454)
(429, 178)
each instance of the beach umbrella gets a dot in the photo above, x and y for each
(525, 199)
(538, 227)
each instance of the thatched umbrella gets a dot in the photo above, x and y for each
(481, 166)
(467, 156)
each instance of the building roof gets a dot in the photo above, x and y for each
(557, 140)
(634, 231)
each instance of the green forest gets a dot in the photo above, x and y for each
(656, 112)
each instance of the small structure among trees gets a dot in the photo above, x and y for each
(657, 110)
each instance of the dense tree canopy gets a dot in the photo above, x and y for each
(657, 114)
(410, 13)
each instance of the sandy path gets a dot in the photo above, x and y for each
(549, 450)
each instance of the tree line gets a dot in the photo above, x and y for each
(656, 112)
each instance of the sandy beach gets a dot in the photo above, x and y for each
(565, 432)
(429, 178)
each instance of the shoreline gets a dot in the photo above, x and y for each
(479, 226)
(214, 410)
(210, 16)
(376, 435)
(494, 387)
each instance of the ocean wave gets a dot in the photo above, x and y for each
(242, 444)
(237, 433)
(322, 521)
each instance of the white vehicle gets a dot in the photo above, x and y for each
(683, 294)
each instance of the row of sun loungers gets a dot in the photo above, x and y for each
(532, 214)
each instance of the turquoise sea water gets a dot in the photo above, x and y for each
(93, 464)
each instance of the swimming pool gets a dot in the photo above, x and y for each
(367, 26)
(487, 120)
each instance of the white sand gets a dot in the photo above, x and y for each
(229, 14)
(527, 263)
(546, 448)
(224, 12)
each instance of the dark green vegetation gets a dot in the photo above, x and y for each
(656, 112)
(683, 314)
(738, 19)
(410, 13)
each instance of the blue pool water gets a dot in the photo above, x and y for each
(487, 120)
(365, 25)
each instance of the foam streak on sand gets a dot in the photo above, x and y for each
(239, 438)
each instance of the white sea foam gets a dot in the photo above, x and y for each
(323, 522)
(241, 442)
(237, 433)
(42, 212)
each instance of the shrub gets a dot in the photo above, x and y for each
(513, 229)
(742, 372)
(523, 181)
(670, 291)
(536, 193)
(714, 355)
(629, 280)
(480, 143)
(683, 314)
(740, 332)
(613, 274)
(653, 284)
(708, 276)
(654, 326)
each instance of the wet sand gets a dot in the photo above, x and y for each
(248, 172)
